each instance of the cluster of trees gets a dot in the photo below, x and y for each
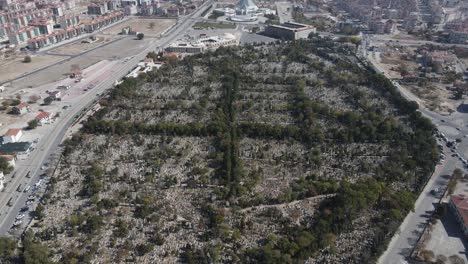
(93, 181)
(119, 127)
(231, 170)
(308, 187)
(296, 244)
(89, 222)
(32, 251)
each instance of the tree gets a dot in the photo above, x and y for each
(39, 212)
(33, 251)
(140, 36)
(7, 248)
(48, 100)
(5, 166)
(454, 259)
(32, 124)
(151, 25)
(33, 99)
(27, 59)
(403, 69)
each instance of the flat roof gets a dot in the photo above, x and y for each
(292, 26)
(15, 147)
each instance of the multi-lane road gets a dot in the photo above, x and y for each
(49, 144)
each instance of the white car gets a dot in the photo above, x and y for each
(20, 216)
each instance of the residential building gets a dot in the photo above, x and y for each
(20, 109)
(16, 148)
(459, 206)
(97, 9)
(12, 135)
(43, 118)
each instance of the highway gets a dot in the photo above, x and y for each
(49, 144)
(453, 126)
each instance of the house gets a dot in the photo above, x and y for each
(12, 135)
(55, 95)
(10, 159)
(458, 204)
(20, 109)
(16, 148)
(43, 118)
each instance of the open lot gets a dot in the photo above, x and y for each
(78, 47)
(14, 68)
(143, 25)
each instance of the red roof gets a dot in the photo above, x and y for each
(22, 105)
(8, 157)
(42, 115)
(461, 203)
(12, 132)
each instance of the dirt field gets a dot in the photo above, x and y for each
(14, 68)
(143, 25)
(77, 47)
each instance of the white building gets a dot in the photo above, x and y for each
(12, 135)
(2, 181)
(202, 44)
(43, 118)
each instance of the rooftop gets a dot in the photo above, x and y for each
(15, 147)
(12, 132)
(42, 115)
(22, 105)
(461, 203)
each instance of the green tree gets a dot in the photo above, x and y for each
(48, 100)
(140, 36)
(33, 251)
(32, 124)
(7, 249)
(27, 59)
(5, 167)
(39, 212)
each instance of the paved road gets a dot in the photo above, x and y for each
(49, 144)
(453, 126)
(284, 14)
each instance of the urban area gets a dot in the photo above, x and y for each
(234, 131)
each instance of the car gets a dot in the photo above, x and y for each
(24, 209)
(65, 87)
(27, 189)
(435, 191)
(20, 216)
(29, 202)
(442, 120)
(458, 128)
(17, 223)
(65, 107)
